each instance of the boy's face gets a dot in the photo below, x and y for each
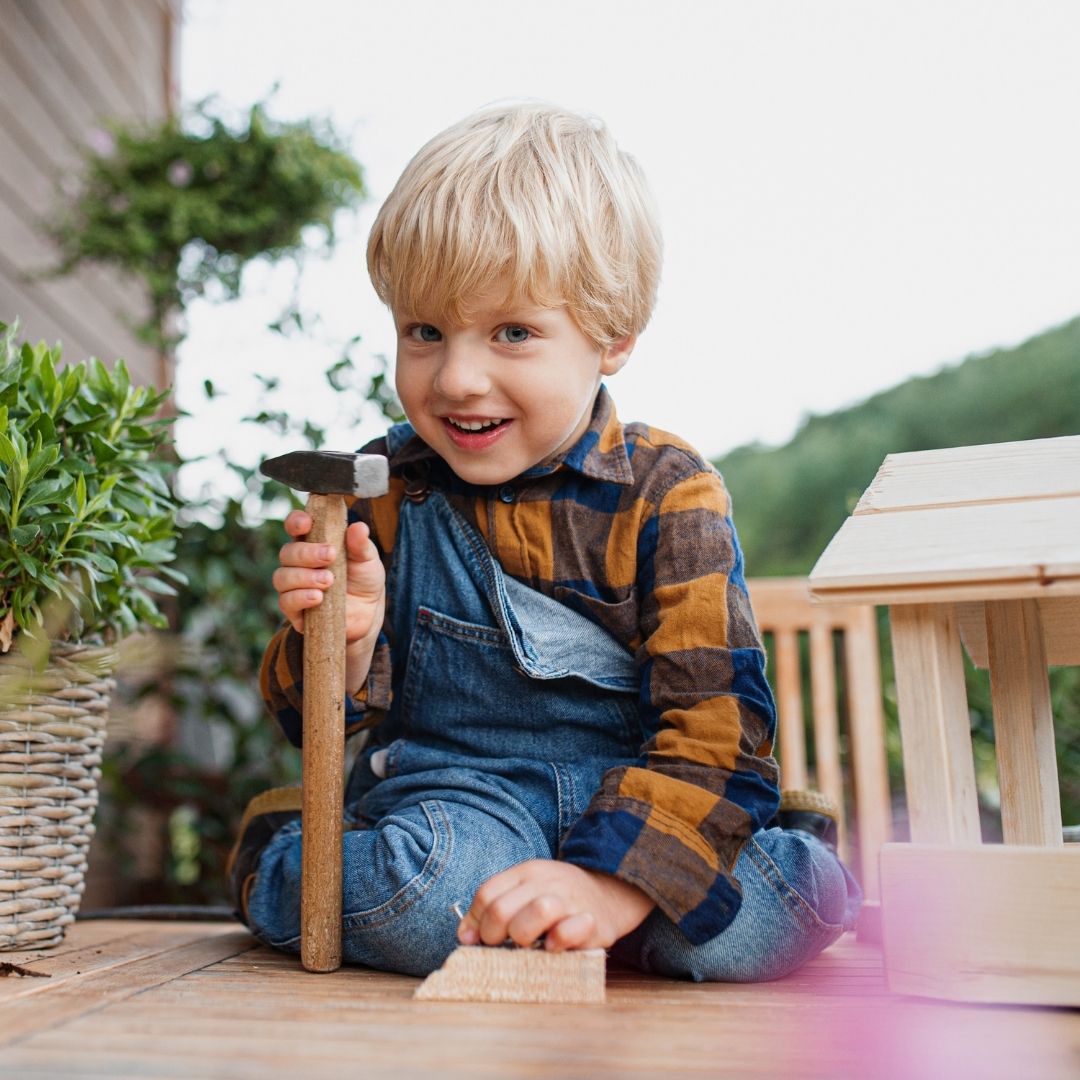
(509, 390)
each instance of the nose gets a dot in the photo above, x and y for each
(462, 373)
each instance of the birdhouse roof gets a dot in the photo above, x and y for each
(969, 523)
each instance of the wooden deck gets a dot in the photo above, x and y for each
(156, 999)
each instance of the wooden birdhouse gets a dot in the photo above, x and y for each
(975, 547)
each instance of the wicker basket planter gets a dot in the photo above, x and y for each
(52, 730)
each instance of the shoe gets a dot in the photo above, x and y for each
(263, 817)
(811, 812)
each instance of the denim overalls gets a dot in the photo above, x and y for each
(508, 708)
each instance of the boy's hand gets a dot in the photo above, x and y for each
(575, 908)
(302, 579)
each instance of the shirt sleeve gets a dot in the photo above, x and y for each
(281, 681)
(673, 824)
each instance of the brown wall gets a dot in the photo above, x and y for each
(65, 67)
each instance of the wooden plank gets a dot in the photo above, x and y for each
(100, 26)
(949, 592)
(866, 733)
(998, 472)
(1060, 617)
(789, 706)
(258, 1016)
(1023, 724)
(39, 1011)
(96, 945)
(52, 102)
(828, 775)
(939, 770)
(992, 924)
(481, 973)
(952, 546)
(82, 308)
(785, 603)
(60, 30)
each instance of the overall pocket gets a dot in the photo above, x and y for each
(464, 692)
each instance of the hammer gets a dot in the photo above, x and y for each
(329, 477)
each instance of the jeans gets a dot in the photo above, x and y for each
(508, 709)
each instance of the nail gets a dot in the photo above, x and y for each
(326, 552)
(324, 577)
(468, 936)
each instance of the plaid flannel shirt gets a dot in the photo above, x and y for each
(632, 528)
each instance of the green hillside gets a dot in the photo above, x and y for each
(790, 500)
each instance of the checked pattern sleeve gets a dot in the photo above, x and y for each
(674, 823)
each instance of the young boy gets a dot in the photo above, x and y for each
(549, 636)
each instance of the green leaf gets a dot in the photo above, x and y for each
(103, 450)
(8, 452)
(45, 491)
(25, 535)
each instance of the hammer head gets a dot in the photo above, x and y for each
(329, 472)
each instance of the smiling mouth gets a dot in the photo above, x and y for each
(476, 434)
(473, 427)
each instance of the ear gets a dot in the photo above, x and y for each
(614, 356)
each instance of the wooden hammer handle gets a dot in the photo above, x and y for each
(324, 750)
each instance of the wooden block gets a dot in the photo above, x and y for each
(1060, 616)
(991, 924)
(483, 973)
(939, 767)
(1023, 724)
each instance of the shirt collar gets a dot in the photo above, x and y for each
(600, 453)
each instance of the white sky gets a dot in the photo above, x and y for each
(851, 192)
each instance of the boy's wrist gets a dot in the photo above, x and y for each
(358, 657)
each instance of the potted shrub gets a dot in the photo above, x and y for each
(86, 531)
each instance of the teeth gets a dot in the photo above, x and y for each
(474, 425)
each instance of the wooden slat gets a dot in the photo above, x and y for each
(783, 606)
(999, 472)
(866, 732)
(258, 1016)
(939, 770)
(39, 1010)
(103, 944)
(829, 777)
(951, 546)
(102, 27)
(59, 28)
(995, 923)
(1060, 617)
(1023, 724)
(69, 294)
(789, 705)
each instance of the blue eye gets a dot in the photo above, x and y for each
(425, 332)
(514, 335)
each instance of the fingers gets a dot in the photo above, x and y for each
(535, 919)
(574, 932)
(517, 905)
(302, 578)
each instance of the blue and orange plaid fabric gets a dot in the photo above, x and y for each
(632, 528)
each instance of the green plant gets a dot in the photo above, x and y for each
(87, 518)
(185, 204)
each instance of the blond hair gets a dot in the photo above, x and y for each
(532, 196)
